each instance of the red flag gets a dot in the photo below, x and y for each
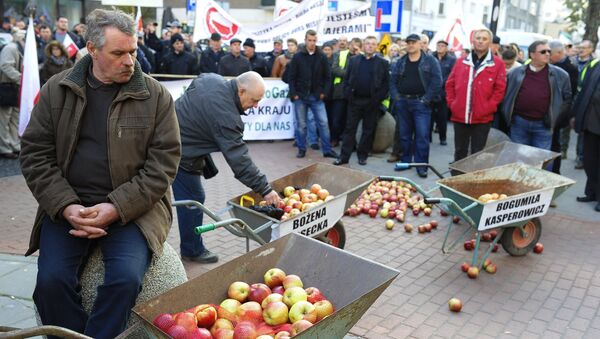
(30, 79)
(138, 20)
(70, 45)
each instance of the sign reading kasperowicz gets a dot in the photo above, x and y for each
(513, 209)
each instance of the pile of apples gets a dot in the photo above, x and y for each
(473, 271)
(491, 197)
(296, 201)
(469, 245)
(279, 308)
(391, 200)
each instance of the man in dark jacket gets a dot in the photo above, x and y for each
(274, 54)
(309, 80)
(259, 65)
(537, 99)
(560, 136)
(99, 154)
(234, 63)
(439, 109)
(177, 60)
(209, 62)
(209, 119)
(337, 114)
(366, 85)
(587, 122)
(416, 82)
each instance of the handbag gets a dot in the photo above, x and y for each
(9, 95)
(210, 169)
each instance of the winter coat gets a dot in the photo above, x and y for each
(583, 102)
(339, 71)
(232, 66)
(51, 67)
(209, 61)
(11, 60)
(280, 63)
(380, 79)
(304, 80)
(473, 95)
(183, 63)
(143, 151)
(430, 74)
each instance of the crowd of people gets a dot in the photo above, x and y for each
(106, 141)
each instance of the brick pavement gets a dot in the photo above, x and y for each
(556, 294)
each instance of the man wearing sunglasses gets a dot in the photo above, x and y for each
(537, 100)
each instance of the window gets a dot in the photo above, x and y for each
(442, 7)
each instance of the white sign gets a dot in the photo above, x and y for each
(273, 119)
(146, 3)
(314, 221)
(309, 14)
(515, 209)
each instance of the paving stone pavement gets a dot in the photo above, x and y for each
(556, 294)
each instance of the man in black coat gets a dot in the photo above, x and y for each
(309, 78)
(258, 63)
(234, 63)
(587, 121)
(209, 62)
(439, 110)
(177, 60)
(366, 85)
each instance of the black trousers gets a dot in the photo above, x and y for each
(555, 147)
(439, 116)
(396, 146)
(591, 164)
(359, 109)
(473, 136)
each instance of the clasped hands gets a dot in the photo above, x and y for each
(90, 222)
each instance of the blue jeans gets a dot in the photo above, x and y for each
(311, 127)
(414, 117)
(57, 296)
(317, 107)
(531, 133)
(187, 186)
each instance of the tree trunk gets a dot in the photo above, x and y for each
(592, 21)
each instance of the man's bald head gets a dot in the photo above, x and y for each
(251, 88)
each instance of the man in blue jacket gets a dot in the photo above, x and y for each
(416, 82)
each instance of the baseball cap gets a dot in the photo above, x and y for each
(215, 37)
(413, 37)
(443, 42)
(174, 23)
(234, 40)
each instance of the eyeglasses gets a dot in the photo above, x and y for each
(544, 51)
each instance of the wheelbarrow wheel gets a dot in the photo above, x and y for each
(335, 236)
(518, 245)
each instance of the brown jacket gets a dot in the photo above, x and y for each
(50, 67)
(143, 150)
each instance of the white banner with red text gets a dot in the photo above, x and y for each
(309, 14)
(273, 119)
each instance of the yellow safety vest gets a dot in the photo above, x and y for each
(341, 61)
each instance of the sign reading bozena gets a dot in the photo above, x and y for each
(514, 209)
(316, 220)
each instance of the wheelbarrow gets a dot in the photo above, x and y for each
(322, 222)
(350, 282)
(530, 191)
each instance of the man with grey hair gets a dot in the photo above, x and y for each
(209, 115)
(11, 60)
(99, 155)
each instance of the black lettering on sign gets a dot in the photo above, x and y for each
(524, 213)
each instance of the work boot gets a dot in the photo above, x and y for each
(563, 155)
(207, 257)
(393, 158)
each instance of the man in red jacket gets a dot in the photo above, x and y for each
(474, 89)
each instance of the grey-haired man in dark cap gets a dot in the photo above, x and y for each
(234, 63)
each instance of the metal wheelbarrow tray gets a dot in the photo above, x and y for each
(530, 191)
(343, 183)
(352, 291)
(502, 154)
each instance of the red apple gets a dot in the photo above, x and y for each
(199, 333)
(456, 219)
(428, 228)
(455, 305)
(467, 245)
(408, 228)
(299, 326)
(493, 234)
(275, 313)
(421, 229)
(443, 213)
(297, 205)
(313, 295)
(224, 333)
(186, 319)
(271, 298)
(486, 237)
(495, 248)
(221, 324)
(177, 332)
(473, 272)
(434, 224)
(164, 321)
(372, 213)
(274, 277)
(245, 330)
(491, 268)
(293, 295)
(258, 292)
(486, 263)
(278, 290)
(465, 266)
(287, 209)
(249, 311)
(324, 308)
(239, 291)
(427, 211)
(315, 188)
(292, 280)
(206, 315)
(283, 335)
(538, 248)
(323, 194)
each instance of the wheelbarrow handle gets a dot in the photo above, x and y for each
(204, 228)
(430, 201)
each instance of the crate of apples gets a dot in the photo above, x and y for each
(279, 307)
